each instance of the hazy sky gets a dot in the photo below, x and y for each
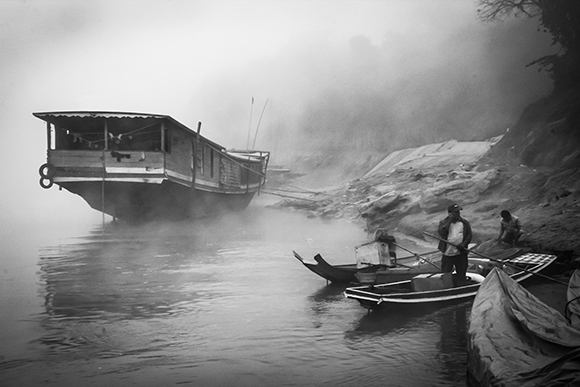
(205, 60)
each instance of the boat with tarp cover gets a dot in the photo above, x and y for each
(139, 166)
(515, 339)
(442, 287)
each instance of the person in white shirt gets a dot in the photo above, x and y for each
(456, 234)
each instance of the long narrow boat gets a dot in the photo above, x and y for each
(373, 271)
(439, 287)
(514, 339)
(141, 166)
(401, 269)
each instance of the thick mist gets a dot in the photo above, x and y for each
(405, 90)
(357, 75)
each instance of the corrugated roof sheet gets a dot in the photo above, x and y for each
(67, 118)
(120, 122)
(96, 114)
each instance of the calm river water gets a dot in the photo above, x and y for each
(218, 303)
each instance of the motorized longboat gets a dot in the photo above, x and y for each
(138, 166)
(515, 339)
(377, 262)
(442, 287)
(361, 272)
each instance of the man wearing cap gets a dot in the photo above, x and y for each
(457, 231)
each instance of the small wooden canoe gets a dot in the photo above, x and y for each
(439, 287)
(514, 339)
(399, 269)
(404, 268)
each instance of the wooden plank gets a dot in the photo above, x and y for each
(86, 159)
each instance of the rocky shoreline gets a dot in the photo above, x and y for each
(409, 191)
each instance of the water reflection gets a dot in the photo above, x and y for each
(451, 355)
(322, 301)
(218, 303)
(433, 337)
(125, 272)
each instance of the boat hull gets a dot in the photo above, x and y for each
(136, 166)
(168, 200)
(405, 269)
(351, 274)
(402, 292)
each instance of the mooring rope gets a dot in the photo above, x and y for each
(287, 196)
(303, 189)
(295, 191)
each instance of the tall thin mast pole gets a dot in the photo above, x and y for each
(250, 127)
(258, 127)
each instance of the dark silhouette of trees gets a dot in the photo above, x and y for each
(560, 18)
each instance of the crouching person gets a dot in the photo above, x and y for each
(511, 226)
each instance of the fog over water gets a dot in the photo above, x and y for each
(214, 303)
(371, 74)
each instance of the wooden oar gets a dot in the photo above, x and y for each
(417, 256)
(379, 265)
(390, 240)
(494, 259)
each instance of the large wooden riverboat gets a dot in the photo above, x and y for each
(147, 166)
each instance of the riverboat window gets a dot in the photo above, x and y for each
(143, 139)
(65, 139)
(167, 137)
(211, 162)
(148, 138)
(200, 158)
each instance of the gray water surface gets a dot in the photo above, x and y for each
(214, 303)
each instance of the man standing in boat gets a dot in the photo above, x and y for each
(456, 234)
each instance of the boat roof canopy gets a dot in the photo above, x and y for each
(93, 121)
(245, 155)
